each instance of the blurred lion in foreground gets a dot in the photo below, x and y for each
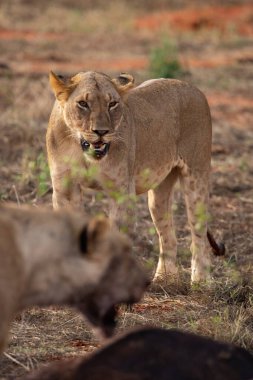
(61, 258)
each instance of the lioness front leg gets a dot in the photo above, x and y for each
(65, 192)
(160, 207)
(196, 191)
(122, 209)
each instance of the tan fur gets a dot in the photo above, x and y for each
(59, 258)
(159, 132)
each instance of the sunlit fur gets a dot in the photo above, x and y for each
(159, 133)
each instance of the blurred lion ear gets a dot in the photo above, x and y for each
(97, 227)
(61, 87)
(123, 82)
(92, 233)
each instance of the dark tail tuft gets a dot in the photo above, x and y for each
(218, 248)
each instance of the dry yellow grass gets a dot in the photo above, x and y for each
(223, 310)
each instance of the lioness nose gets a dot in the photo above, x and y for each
(101, 132)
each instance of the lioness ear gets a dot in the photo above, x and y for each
(91, 234)
(124, 82)
(62, 88)
(97, 227)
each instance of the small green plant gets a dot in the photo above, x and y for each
(43, 177)
(150, 263)
(40, 170)
(3, 196)
(164, 61)
(243, 164)
(152, 231)
(202, 216)
(36, 171)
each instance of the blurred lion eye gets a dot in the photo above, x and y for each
(113, 104)
(83, 104)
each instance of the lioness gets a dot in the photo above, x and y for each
(140, 139)
(60, 258)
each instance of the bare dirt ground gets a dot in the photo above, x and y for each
(215, 48)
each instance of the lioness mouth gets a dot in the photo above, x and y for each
(105, 322)
(97, 150)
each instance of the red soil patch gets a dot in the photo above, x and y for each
(239, 17)
(217, 99)
(42, 66)
(34, 65)
(27, 35)
(220, 59)
(83, 344)
(235, 110)
(140, 308)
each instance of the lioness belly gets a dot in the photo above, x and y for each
(148, 178)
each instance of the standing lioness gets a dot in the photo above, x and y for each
(140, 139)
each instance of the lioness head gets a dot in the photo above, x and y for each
(92, 108)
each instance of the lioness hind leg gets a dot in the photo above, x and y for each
(196, 192)
(160, 207)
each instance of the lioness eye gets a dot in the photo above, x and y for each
(113, 104)
(83, 104)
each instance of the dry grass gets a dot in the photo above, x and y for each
(223, 309)
(50, 17)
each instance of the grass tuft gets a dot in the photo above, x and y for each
(164, 61)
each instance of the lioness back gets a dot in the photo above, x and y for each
(172, 120)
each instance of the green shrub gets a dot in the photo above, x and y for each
(164, 61)
(37, 171)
